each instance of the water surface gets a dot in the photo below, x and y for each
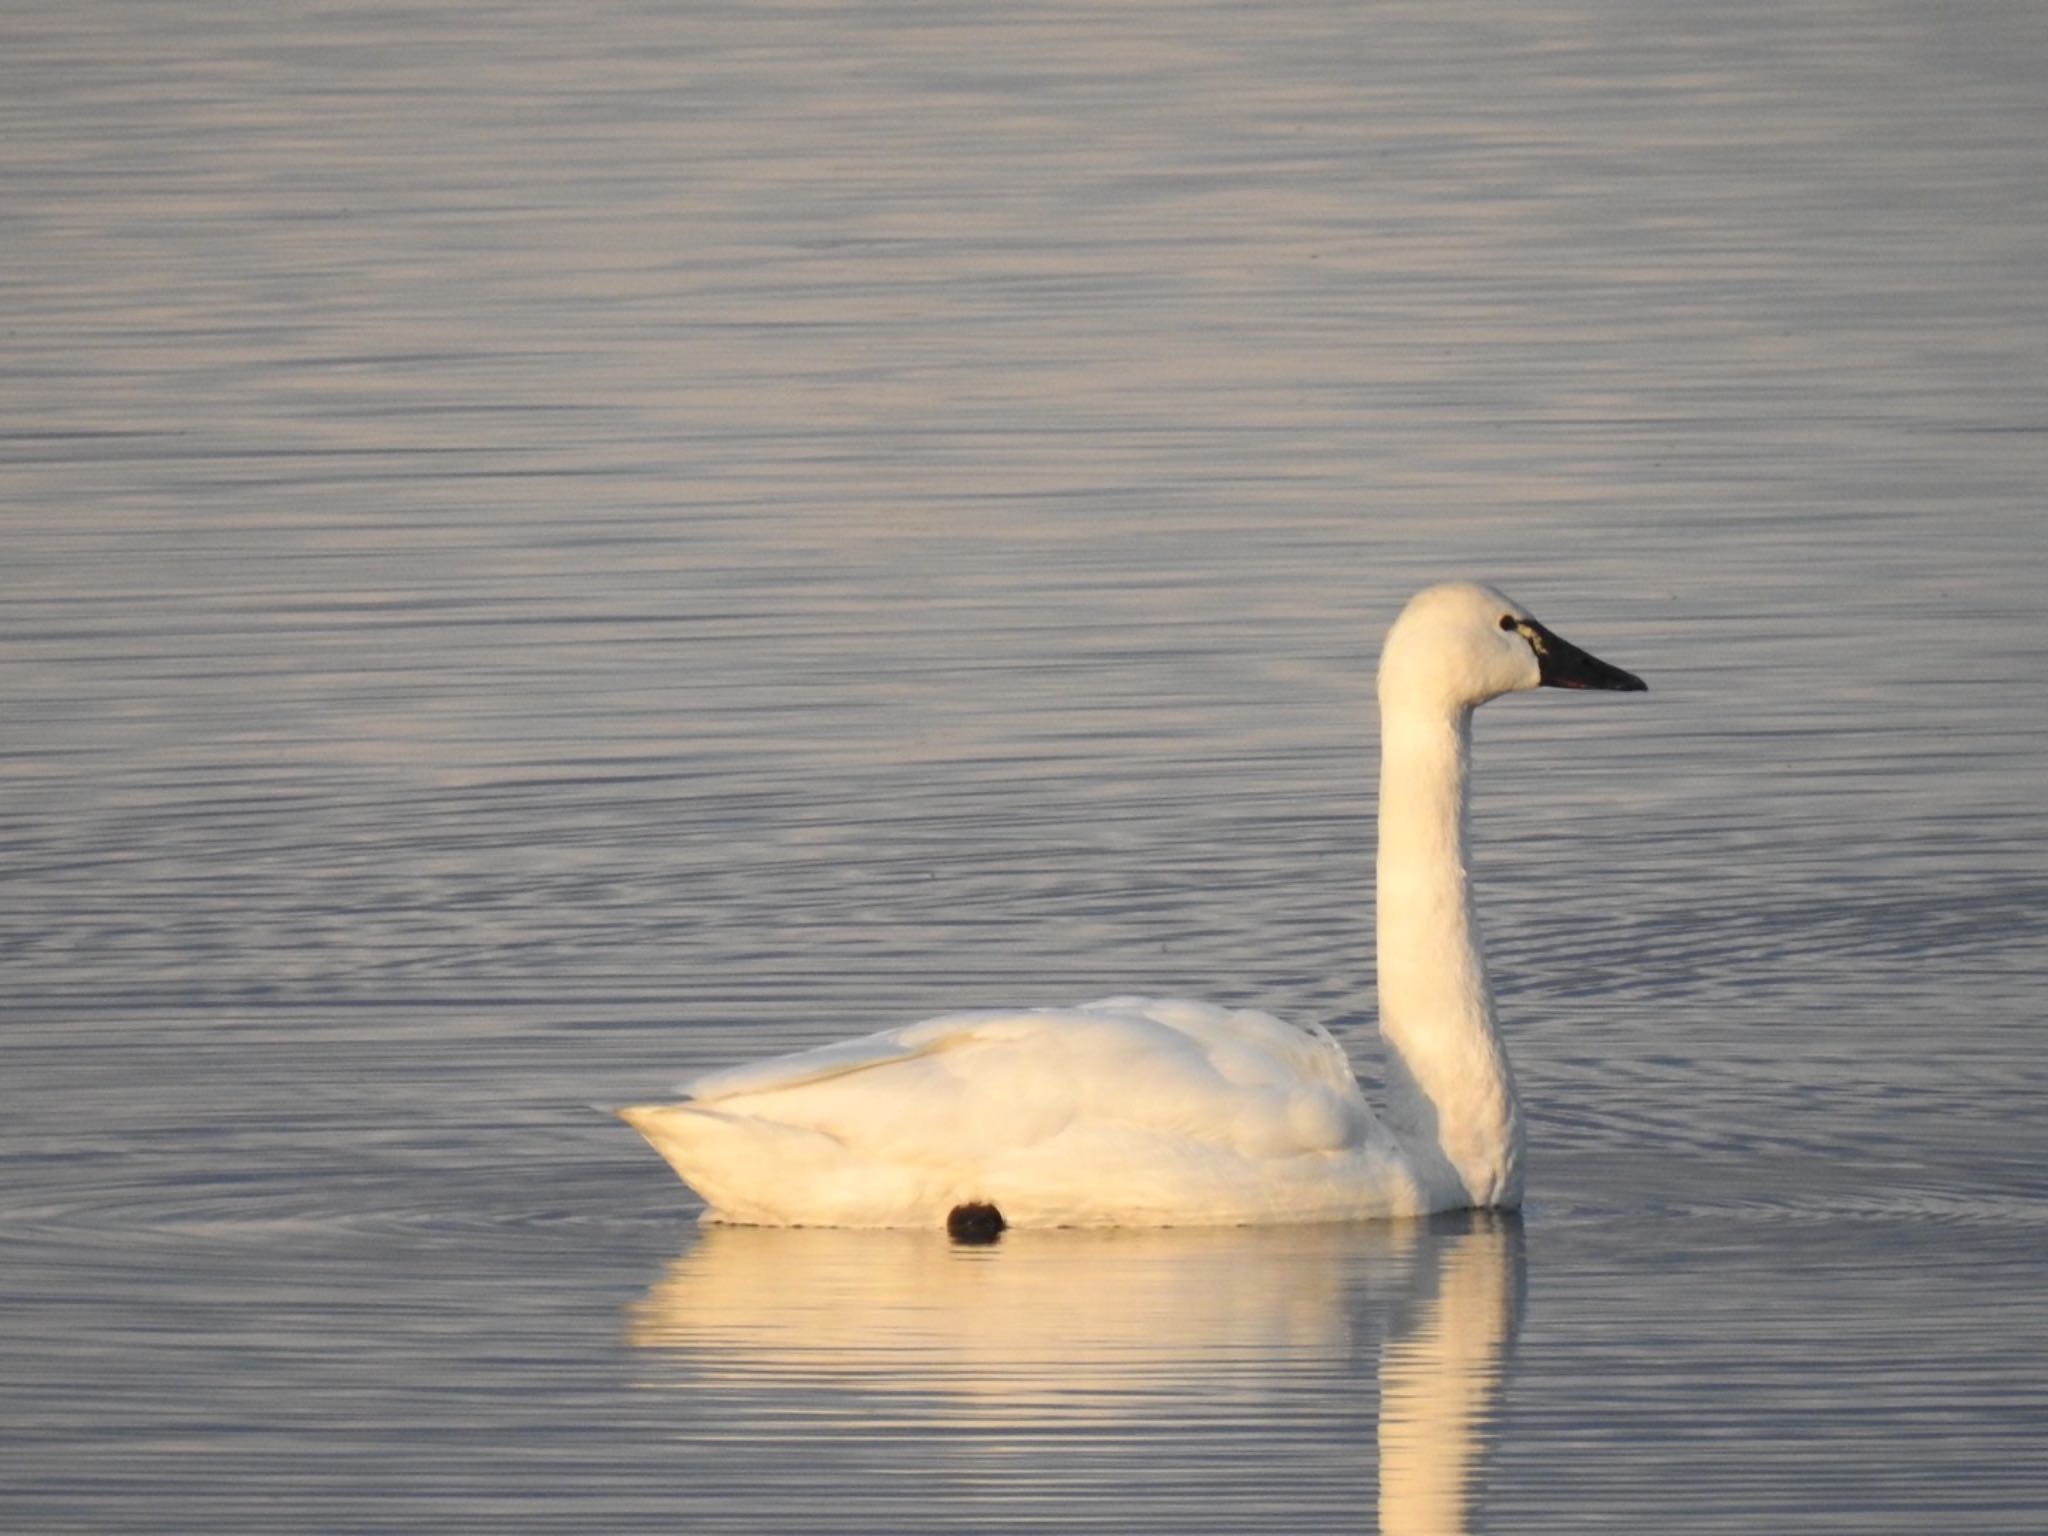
(543, 553)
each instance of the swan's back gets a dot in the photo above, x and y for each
(1128, 1110)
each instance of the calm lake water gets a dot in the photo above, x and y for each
(548, 549)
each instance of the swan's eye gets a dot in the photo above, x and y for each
(1507, 621)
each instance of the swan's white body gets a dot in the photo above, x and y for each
(1143, 1111)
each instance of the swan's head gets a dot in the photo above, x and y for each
(1461, 644)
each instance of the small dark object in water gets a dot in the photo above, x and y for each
(975, 1222)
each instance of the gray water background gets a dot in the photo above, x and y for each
(546, 549)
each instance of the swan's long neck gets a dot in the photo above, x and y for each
(1452, 1096)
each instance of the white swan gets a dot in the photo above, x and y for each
(1146, 1112)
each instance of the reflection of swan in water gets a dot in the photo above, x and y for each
(1441, 1378)
(1149, 1112)
(978, 1350)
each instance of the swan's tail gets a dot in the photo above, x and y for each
(731, 1161)
(761, 1172)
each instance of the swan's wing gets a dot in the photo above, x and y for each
(978, 1083)
(1245, 1046)
(798, 1068)
(907, 1043)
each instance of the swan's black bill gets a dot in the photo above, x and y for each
(1560, 664)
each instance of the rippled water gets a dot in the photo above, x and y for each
(544, 551)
